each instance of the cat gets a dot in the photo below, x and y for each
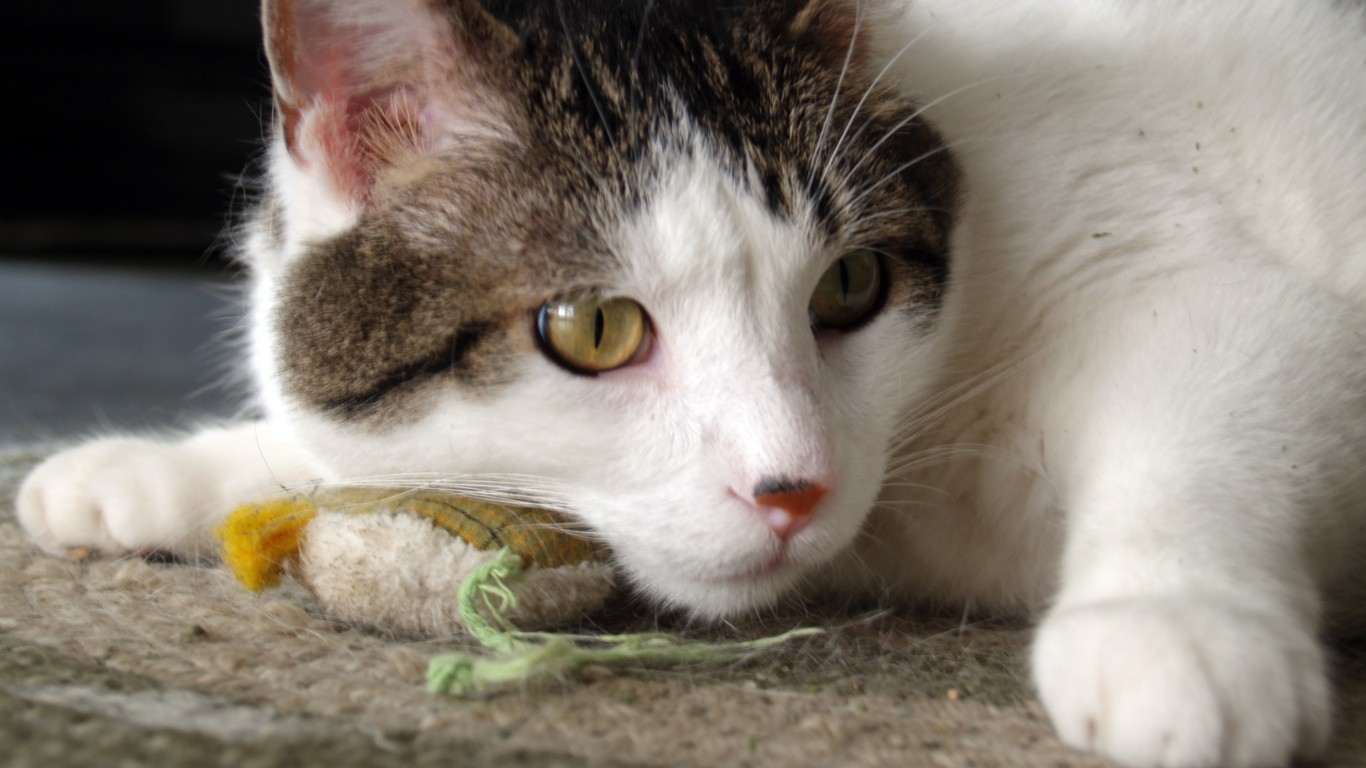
(1054, 308)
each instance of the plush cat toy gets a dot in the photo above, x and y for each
(429, 564)
(396, 559)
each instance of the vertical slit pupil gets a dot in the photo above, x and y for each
(844, 278)
(598, 323)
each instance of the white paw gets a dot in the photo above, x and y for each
(1183, 682)
(115, 495)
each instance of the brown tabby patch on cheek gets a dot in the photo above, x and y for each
(361, 321)
(437, 284)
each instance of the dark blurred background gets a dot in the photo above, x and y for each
(126, 128)
(127, 123)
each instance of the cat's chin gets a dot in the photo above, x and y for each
(727, 597)
(719, 593)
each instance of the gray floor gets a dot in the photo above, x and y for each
(87, 349)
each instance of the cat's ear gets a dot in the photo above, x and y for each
(837, 28)
(359, 84)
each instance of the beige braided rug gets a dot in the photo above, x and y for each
(136, 663)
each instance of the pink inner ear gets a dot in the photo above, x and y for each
(353, 136)
(350, 90)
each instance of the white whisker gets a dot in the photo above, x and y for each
(510, 489)
(900, 169)
(920, 110)
(834, 100)
(834, 153)
(857, 226)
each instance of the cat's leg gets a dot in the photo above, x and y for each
(1213, 447)
(124, 494)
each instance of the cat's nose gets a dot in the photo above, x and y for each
(787, 504)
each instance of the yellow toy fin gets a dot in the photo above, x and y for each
(258, 539)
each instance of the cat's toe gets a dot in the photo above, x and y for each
(113, 496)
(1173, 683)
(58, 509)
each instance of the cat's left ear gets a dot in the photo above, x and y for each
(360, 84)
(838, 28)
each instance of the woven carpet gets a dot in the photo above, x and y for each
(135, 662)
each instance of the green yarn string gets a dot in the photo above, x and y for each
(520, 656)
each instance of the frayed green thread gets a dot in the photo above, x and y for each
(521, 656)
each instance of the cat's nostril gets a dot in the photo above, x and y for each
(768, 486)
(787, 503)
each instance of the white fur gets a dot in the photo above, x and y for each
(1139, 416)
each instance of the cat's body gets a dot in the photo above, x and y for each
(1115, 376)
(1210, 171)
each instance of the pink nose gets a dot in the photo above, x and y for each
(787, 511)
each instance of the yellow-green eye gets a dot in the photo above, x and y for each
(850, 292)
(590, 335)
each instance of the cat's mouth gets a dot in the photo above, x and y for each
(752, 569)
(726, 585)
(780, 561)
(771, 567)
(781, 566)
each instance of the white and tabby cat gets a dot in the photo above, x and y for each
(1052, 307)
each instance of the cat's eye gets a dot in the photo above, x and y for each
(850, 292)
(590, 335)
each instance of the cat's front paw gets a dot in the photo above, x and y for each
(114, 495)
(1182, 682)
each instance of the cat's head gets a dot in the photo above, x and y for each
(676, 264)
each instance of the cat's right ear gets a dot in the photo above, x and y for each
(361, 84)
